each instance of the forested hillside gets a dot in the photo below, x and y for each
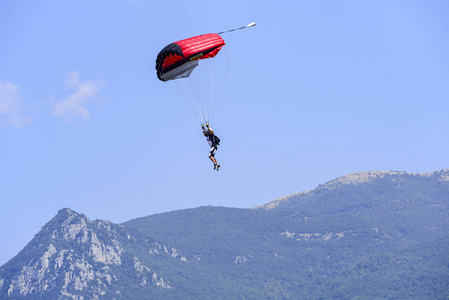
(382, 235)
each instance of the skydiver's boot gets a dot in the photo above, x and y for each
(215, 166)
(218, 166)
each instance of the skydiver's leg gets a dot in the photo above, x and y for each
(211, 156)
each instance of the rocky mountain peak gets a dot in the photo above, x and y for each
(73, 257)
(63, 254)
(362, 231)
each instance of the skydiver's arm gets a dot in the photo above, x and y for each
(210, 129)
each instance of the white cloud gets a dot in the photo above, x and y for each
(11, 105)
(74, 106)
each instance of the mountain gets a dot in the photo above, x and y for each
(367, 235)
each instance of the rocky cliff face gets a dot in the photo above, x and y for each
(373, 235)
(76, 258)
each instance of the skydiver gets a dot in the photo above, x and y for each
(213, 141)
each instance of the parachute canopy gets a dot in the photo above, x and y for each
(195, 71)
(178, 59)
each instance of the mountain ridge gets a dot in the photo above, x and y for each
(371, 235)
(356, 178)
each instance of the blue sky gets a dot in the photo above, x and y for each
(316, 90)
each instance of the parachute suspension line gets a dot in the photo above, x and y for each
(210, 91)
(247, 26)
(180, 88)
(196, 93)
(196, 81)
(222, 82)
(206, 87)
(198, 90)
(205, 80)
(190, 90)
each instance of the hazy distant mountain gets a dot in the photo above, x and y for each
(369, 235)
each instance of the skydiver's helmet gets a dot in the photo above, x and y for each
(205, 132)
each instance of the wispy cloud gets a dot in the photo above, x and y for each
(74, 106)
(11, 108)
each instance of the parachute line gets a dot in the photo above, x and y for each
(222, 83)
(191, 67)
(179, 88)
(201, 91)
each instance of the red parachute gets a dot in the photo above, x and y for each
(178, 59)
(191, 67)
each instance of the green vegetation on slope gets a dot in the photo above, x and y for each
(375, 237)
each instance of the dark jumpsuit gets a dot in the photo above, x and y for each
(214, 146)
